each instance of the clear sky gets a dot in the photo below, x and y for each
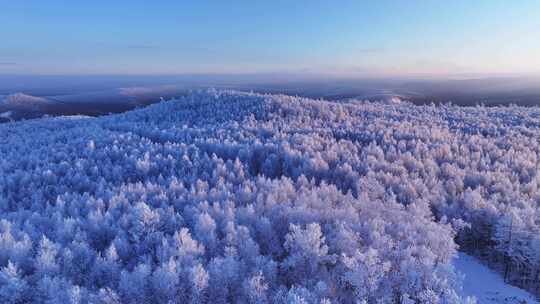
(329, 37)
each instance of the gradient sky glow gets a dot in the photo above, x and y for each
(319, 37)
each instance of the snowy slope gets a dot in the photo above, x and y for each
(487, 286)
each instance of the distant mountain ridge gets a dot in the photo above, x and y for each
(24, 106)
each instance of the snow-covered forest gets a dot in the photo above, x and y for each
(228, 197)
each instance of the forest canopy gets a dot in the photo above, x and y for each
(222, 196)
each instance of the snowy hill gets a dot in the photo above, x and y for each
(20, 106)
(221, 197)
(21, 101)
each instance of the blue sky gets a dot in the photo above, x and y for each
(313, 37)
